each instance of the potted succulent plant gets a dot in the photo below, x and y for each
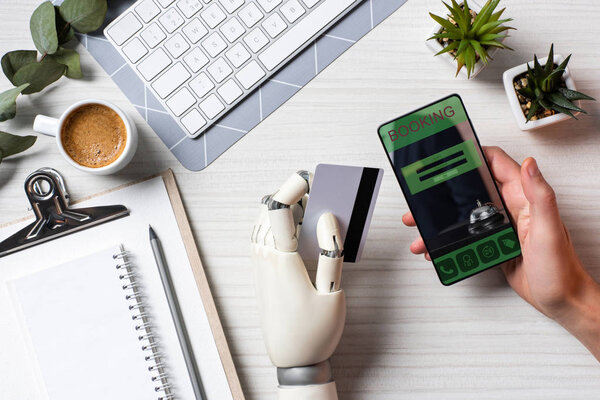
(469, 35)
(542, 95)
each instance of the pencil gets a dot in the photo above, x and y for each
(182, 335)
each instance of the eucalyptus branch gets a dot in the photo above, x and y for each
(51, 27)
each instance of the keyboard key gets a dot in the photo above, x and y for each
(177, 45)
(230, 91)
(193, 121)
(165, 3)
(147, 10)
(274, 25)
(189, 7)
(250, 15)
(201, 85)
(214, 44)
(195, 30)
(135, 50)
(154, 64)
(232, 29)
(310, 3)
(238, 55)
(213, 15)
(302, 32)
(195, 59)
(250, 74)
(269, 5)
(292, 10)
(212, 106)
(219, 70)
(256, 40)
(181, 101)
(124, 28)
(231, 5)
(173, 78)
(153, 35)
(171, 20)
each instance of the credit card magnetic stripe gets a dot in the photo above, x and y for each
(360, 213)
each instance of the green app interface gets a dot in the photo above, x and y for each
(450, 190)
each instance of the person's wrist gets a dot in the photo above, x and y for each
(581, 314)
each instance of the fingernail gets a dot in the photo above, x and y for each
(532, 168)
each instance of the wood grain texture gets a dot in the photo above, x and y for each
(407, 336)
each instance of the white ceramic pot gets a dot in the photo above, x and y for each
(436, 46)
(508, 78)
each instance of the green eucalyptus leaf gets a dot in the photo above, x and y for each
(70, 59)
(84, 15)
(39, 74)
(13, 144)
(64, 30)
(8, 102)
(14, 60)
(43, 28)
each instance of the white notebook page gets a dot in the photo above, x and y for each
(80, 326)
(148, 203)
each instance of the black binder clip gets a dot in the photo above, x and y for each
(47, 194)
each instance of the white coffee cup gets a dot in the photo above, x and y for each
(54, 127)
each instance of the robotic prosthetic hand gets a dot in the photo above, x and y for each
(302, 324)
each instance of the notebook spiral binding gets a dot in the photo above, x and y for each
(143, 327)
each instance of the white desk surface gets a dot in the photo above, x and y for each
(407, 336)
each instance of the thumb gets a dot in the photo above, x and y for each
(543, 207)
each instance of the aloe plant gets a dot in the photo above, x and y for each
(468, 37)
(545, 88)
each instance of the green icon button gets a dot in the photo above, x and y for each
(447, 269)
(467, 260)
(488, 251)
(509, 243)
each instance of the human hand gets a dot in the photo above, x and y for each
(549, 275)
(302, 324)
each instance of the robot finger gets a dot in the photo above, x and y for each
(261, 233)
(298, 212)
(331, 259)
(284, 211)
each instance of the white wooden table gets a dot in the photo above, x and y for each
(407, 336)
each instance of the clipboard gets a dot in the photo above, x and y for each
(197, 268)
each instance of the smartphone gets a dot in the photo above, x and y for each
(450, 190)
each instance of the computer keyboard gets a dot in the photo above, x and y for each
(202, 57)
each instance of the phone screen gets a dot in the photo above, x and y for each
(449, 189)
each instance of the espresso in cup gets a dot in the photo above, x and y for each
(94, 135)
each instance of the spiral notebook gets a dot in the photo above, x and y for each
(85, 321)
(87, 317)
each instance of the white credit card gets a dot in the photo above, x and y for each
(350, 194)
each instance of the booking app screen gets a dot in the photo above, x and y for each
(449, 189)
